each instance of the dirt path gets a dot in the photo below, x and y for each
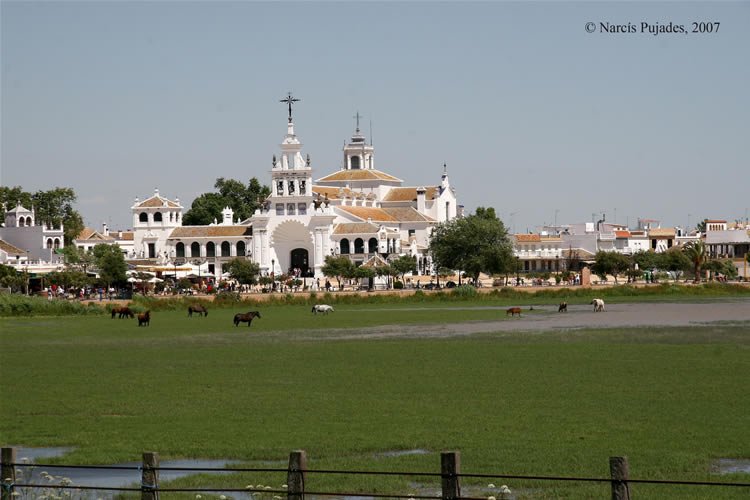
(548, 319)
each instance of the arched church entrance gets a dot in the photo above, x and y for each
(299, 259)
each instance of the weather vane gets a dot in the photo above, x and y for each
(289, 100)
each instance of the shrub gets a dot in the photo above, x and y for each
(23, 305)
(465, 292)
(398, 285)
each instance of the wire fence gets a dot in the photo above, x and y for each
(297, 472)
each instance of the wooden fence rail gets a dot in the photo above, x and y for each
(297, 471)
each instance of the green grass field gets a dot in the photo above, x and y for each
(672, 400)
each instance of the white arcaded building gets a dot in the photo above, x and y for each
(357, 211)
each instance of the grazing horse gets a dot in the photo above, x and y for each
(513, 311)
(245, 317)
(563, 307)
(598, 305)
(321, 308)
(197, 308)
(144, 319)
(123, 312)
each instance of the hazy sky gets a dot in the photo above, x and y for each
(533, 115)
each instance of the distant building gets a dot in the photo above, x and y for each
(40, 242)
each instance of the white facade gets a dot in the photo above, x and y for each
(39, 241)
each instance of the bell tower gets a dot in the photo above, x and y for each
(291, 175)
(358, 155)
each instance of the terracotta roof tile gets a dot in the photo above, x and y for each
(11, 249)
(88, 233)
(661, 233)
(334, 193)
(528, 238)
(364, 213)
(126, 236)
(359, 175)
(410, 194)
(356, 228)
(622, 234)
(157, 201)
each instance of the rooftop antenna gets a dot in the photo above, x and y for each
(371, 143)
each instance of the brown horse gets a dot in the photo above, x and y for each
(197, 308)
(144, 319)
(513, 311)
(563, 307)
(123, 312)
(245, 317)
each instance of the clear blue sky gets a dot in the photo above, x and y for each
(533, 115)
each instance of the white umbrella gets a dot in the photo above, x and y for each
(133, 280)
(155, 280)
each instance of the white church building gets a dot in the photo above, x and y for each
(358, 211)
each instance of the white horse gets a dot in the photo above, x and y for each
(598, 305)
(321, 308)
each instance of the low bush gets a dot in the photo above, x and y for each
(23, 305)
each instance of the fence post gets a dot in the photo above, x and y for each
(150, 476)
(619, 472)
(450, 467)
(8, 457)
(295, 478)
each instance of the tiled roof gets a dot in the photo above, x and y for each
(359, 175)
(622, 234)
(18, 209)
(661, 233)
(528, 238)
(11, 249)
(716, 221)
(210, 231)
(375, 261)
(88, 233)
(410, 194)
(126, 236)
(334, 193)
(157, 201)
(356, 228)
(400, 214)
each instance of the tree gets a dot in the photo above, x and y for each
(69, 278)
(701, 226)
(404, 264)
(338, 267)
(473, 244)
(244, 271)
(111, 263)
(696, 253)
(243, 200)
(673, 260)
(10, 278)
(613, 263)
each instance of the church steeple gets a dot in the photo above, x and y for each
(357, 153)
(291, 173)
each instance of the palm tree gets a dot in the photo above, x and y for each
(696, 252)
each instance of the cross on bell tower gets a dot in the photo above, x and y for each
(289, 100)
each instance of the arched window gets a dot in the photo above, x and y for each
(359, 245)
(22, 222)
(49, 242)
(143, 217)
(210, 249)
(157, 217)
(28, 221)
(240, 248)
(344, 246)
(195, 249)
(373, 245)
(180, 249)
(355, 163)
(57, 243)
(225, 249)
